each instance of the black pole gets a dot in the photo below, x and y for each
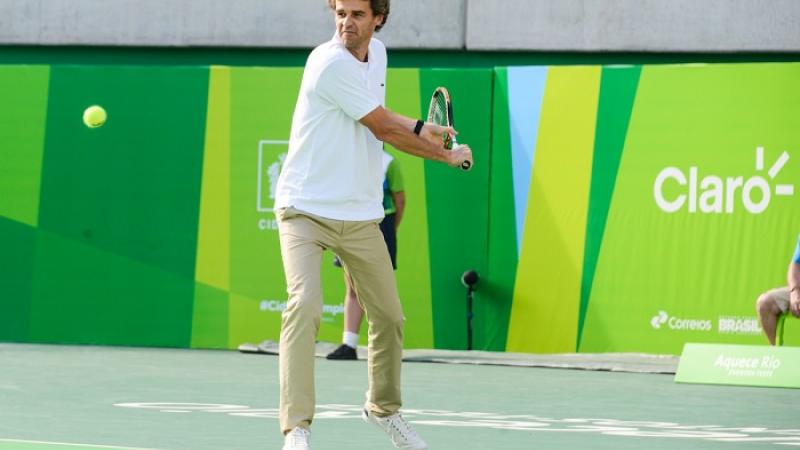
(469, 318)
(469, 279)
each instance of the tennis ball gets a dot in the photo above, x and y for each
(94, 116)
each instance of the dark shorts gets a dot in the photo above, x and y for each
(389, 231)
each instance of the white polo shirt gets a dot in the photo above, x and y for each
(333, 168)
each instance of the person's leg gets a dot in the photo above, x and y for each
(367, 260)
(352, 323)
(300, 238)
(352, 318)
(353, 311)
(769, 306)
(352, 308)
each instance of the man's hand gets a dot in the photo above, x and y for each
(794, 303)
(436, 133)
(458, 155)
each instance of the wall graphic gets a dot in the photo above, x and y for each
(655, 204)
(611, 208)
(158, 229)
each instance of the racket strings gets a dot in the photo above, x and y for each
(439, 112)
(439, 116)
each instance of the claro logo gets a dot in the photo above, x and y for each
(713, 194)
(676, 323)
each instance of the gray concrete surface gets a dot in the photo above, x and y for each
(528, 25)
(635, 25)
(232, 23)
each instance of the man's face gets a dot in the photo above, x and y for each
(355, 22)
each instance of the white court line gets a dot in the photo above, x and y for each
(67, 444)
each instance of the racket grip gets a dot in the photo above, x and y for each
(465, 165)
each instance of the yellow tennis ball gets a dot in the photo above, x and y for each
(94, 116)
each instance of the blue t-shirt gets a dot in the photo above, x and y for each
(796, 257)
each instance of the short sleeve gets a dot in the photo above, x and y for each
(341, 83)
(395, 176)
(796, 257)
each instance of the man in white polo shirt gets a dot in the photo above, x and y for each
(329, 196)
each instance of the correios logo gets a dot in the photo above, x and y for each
(677, 323)
(715, 194)
(659, 319)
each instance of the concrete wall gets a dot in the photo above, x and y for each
(635, 25)
(230, 23)
(562, 25)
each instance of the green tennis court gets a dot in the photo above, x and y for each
(68, 397)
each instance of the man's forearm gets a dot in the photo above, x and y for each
(399, 133)
(400, 206)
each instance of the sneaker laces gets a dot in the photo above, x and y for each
(398, 427)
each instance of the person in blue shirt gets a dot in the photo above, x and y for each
(782, 300)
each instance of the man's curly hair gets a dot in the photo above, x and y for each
(379, 8)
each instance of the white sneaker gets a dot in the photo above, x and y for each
(297, 439)
(403, 437)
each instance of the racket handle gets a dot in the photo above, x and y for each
(465, 165)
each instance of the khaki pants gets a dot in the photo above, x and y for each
(363, 252)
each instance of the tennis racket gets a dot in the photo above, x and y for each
(441, 113)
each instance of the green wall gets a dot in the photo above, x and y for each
(653, 204)
(157, 228)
